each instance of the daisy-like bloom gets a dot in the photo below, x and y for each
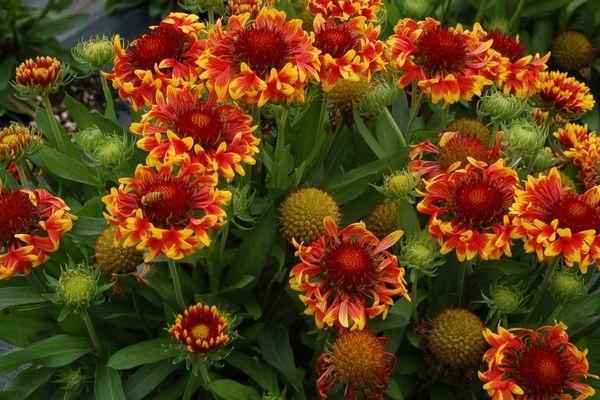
(17, 140)
(563, 95)
(164, 55)
(349, 49)
(572, 135)
(553, 220)
(267, 59)
(541, 364)
(166, 209)
(454, 149)
(346, 275)
(238, 7)
(218, 136)
(38, 76)
(586, 157)
(357, 363)
(33, 223)
(515, 71)
(448, 64)
(468, 209)
(346, 9)
(201, 329)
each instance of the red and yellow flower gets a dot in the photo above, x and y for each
(513, 70)
(555, 221)
(357, 363)
(346, 9)
(349, 49)
(572, 135)
(39, 75)
(16, 141)
(165, 55)
(448, 64)
(166, 209)
(218, 136)
(267, 59)
(33, 223)
(563, 94)
(468, 209)
(238, 7)
(346, 275)
(541, 364)
(201, 329)
(453, 150)
(586, 157)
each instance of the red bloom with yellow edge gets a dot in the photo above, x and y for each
(586, 156)
(357, 363)
(468, 209)
(267, 59)
(346, 9)
(238, 7)
(563, 94)
(448, 64)
(572, 135)
(349, 49)
(201, 329)
(513, 70)
(554, 221)
(217, 136)
(346, 275)
(541, 364)
(429, 160)
(166, 209)
(42, 72)
(164, 55)
(33, 223)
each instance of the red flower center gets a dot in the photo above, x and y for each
(261, 48)
(350, 265)
(542, 372)
(161, 43)
(441, 50)
(478, 203)
(17, 213)
(335, 40)
(506, 45)
(202, 123)
(459, 147)
(575, 214)
(166, 204)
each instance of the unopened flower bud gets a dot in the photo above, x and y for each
(90, 139)
(380, 94)
(111, 153)
(422, 252)
(40, 76)
(567, 285)
(505, 299)
(524, 136)
(77, 286)
(94, 52)
(501, 106)
(399, 184)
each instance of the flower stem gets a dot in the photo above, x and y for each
(53, 124)
(414, 111)
(322, 115)
(92, 332)
(22, 175)
(109, 111)
(415, 298)
(517, 12)
(552, 264)
(394, 126)
(462, 273)
(211, 15)
(176, 284)
(204, 373)
(191, 383)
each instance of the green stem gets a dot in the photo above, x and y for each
(92, 332)
(480, 11)
(211, 15)
(493, 133)
(394, 127)
(322, 115)
(176, 284)
(462, 273)
(414, 111)
(109, 111)
(191, 383)
(415, 297)
(204, 373)
(22, 175)
(516, 14)
(552, 265)
(53, 124)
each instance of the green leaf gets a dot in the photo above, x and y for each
(242, 283)
(143, 353)
(27, 382)
(145, 379)
(18, 296)
(52, 27)
(535, 8)
(107, 384)
(86, 118)
(65, 167)
(260, 373)
(55, 351)
(87, 226)
(232, 390)
(18, 330)
(277, 352)
(367, 136)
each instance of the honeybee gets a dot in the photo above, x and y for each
(151, 197)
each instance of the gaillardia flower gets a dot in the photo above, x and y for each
(572, 50)
(201, 329)
(39, 76)
(16, 141)
(113, 258)
(349, 49)
(448, 64)
(541, 364)
(164, 55)
(303, 211)
(238, 7)
(218, 136)
(346, 275)
(469, 127)
(267, 59)
(553, 220)
(513, 70)
(166, 209)
(468, 209)
(572, 135)
(585, 152)
(563, 95)
(33, 223)
(358, 364)
(453, 150)
(346, 9)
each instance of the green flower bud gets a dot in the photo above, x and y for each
(524, 136)
(111, 153)
(77, 286)
(505, 299)
(567, 285)
(422, 252)
(543, 159)
(94, 52)
(90, 139)
(272, 397)
(399, 184)
(416, 9)
(380, 94)
(72, 380)
(501, 106)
